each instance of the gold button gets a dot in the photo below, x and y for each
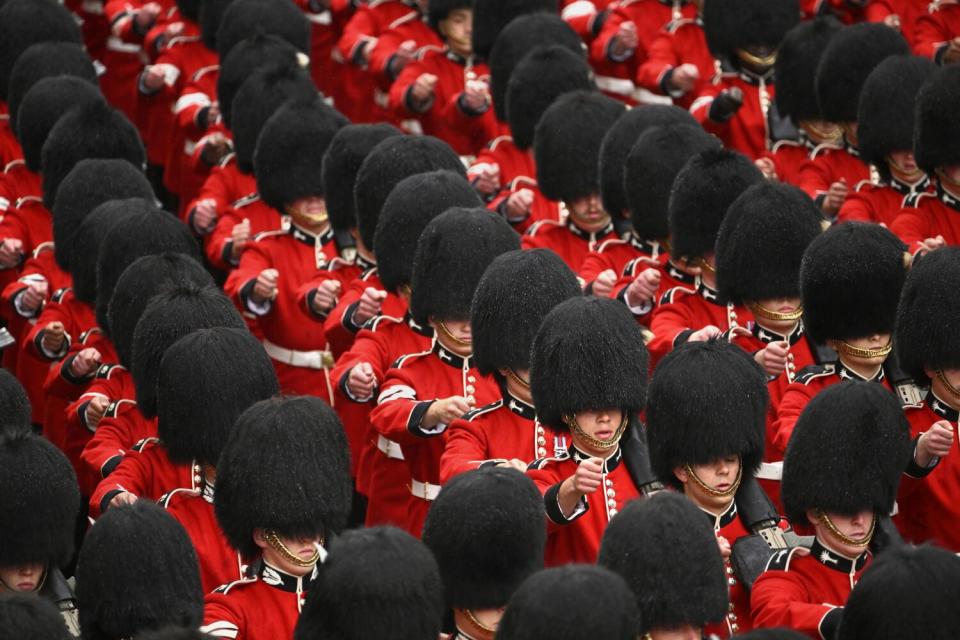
(541, 441)
(735, 627)
(730, 608)
(470, 388)
(541, 452)
(471, 379)
(732, 581)
(609, 482)
(729, 570)
(611, 493)
(612, 512)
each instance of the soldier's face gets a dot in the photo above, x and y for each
(903, 163)
(686, 632)
(778, 305)
(23, 578)
(720, 475)
(310, 213)
(601, 425)
(303, 548)
(942, 388)
(855, 527)
(454, 335)
(588, 213)
(457, 30)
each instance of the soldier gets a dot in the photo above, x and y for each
(14, 403)
(840, 478)
(588, 376)
(484, 550)
(936, 32)
(517, 290)
(492, 16)
(279, 506)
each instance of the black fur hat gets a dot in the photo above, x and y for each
(538, 80)
(928, 314)
(937, 134)
(486, 531)
(388, 163)
(650, 168)
(285, 467)
(588, 354)
(567, 144)
(887, 107)
(707, 400)
(702, 191)
(137, 571)
(376, 583)
(846, 453)
(28, 616)
(516, 291)
(14, 403)
(89, 184)
(736, 24)
(39, 501)
(43, 105)
(86, 244)
(454, 250)
(518, 39)
(909, 592)
(209, 14)
(46, 60)
(288, 161)
(92, 130)
(174, 633)
(244, 18)
(189, 9)
(258, 98)
(850, 282)
(667, 552)
(778, 633)
(438, 10)
(247, 57)
(762, 241)
(846, 63)
(413, 203)
(341, 162)
(27, 22)
(597, 603)
(491, 16)
(618, 142)
(796, 67)
(169, 316)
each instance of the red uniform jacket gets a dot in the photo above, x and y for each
(788, 157)
(935, 28)
(879, 203)
(806, 593)
(682, 41)
(9, 147)
(576, 539)
(123, 429)
(29, 222)
(748, 131)
(738, 619)
(184, 170)
(124, 57)
(568, 241)
(615, 254)
(928, 215)
(410, 28)
(848, 13)
(408, 390)
(828, 164)
(582, 16)
(146, 473)
(17, 182)
(326, 27)
(496, 433)
(218, 244)
(671, 278)
(340, 326)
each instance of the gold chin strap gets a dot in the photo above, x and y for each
(844, 538)
(516, 378)
(766, 61)
(762, 311)
(706, 265)
(946, 180)
(277, 544)
(710, 490)
(903, 174)
(857, 352)
(314, 219)
(571, 421)
(479, 629)
(831, 133)
(446, 332)
(946, 383)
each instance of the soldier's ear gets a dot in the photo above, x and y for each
(681, 474)
(259, 539)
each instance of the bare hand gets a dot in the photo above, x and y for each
(952, 54)
(370, 305)
(836, 196)
(214, 149)
(423, 88)
(589, 476)
(122, 498)
(85, 363)
(932, 244)
(361, 382)
(892, 21)
(604, 283)
(96, 409)
(265, 287)
(147, 16)
(519, 204)
(725, 548)
(625, 40)
(11, 252)
(446, 410)
(644, 287)
(487, 182)
(403, 56)
(514, 463)
(325, 297)
(54, 338)
(773, 358)
(935, 443)
(213, 113)
(707, 333)
(239, 236)
(34, 296)
(685, 77)
(205, 215)
(767, 168)
(153, 77)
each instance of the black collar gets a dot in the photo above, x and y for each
(908, 189)
(591, 236)
(308, 238)
(835, 561)
(849, 148)
(271, 576)
(518, 406)
(679, 275)
(767, 336)
(425, 331)
(363, 264)
(719, 521)
(849, 374)
(948, 198)
(941, 408)
(646, 247)
(709, 294)
(456, 57)
(609, 464)
(450, 358)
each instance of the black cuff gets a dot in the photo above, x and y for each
(105, 501)
(599, 21)
(415, 422)
(390, 71)
(489, 463)
(682, 337)
(110, 465)
(202, 116)
(38, 343)
(246, 290)
(819, 200)
(227, 254)
(69, 377)
(665, 82)
(347, 320)
(411, 105)
(357, 58)
(309, 299)
(938, 54)
(462, 105)
(830, 622)
(913, 469)
(551, 503)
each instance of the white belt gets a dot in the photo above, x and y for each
(305, 359)
(116, 44)
(381, 98)
(390, 448)
(626, 87)
(770, 470)
(424, 490)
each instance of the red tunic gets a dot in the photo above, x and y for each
(582, 16)
(576, 539)
(729, 525)
(672, 278)
(806, 593)
(682, 41)
(18, 182)
(748, 130)
(9, 147)
(568, 241)
(184, 170)
(122, 430)
(340, 327)
(928, 215)
(218, 245)
(935, 28)
(123, 57)
(30, 222)
(326, 27)
(411, 28)
(828, 164)
(788, 157)
(615, 254)
(879, 203)
(409, 388)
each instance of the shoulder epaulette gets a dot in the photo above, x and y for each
(496, 141)
(540, 463)
(785, 143)
(179, 40)
(143, 444)
(519, 180)
(609, 243)
(780, 561)
(913, 200)
(374, 323)
(42, 248)
(13, 163)
(202, 71)
(107, 370)
(403, 20)
(812, 372)
(115, 407)
(825, 146)
(674, 25)
(246, 200)
(669, 296)
(165, 499)
(403, 360)
(479, 411)
(26, 199)
(862, 184)
(59, 294)
(263, 235)
(536, 227)
(224, 589)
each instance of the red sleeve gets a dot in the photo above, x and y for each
(115, 438)
(599, 46)
(382, 52)
(130, 476)
(255, 258)
(580, 15)
(667, 323)
(700, 108)
(221, 619)
(794, 401)
(878, 11)
(550, 475)
(815, 177)
(779, 600)
(660, 58)
(930, 35)
(361, 30)
(399, 411)
(912, 226)
(338, 327)
(191, 99)
(465, 449)
(397, 100)
(856, 208)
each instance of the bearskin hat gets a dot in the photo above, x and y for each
(909, 592)
(928, 311)
(388, 163)
(92, 130)
(125, 586)
(89, 184)
(438, 10)
(518, 39)
(341, 162)
(169, 316)
(491, 16)
(538, 80)
(86, 242)
(667, 552)
(144, 231)
(247, 57)
(702, 191)
(208, 14)
(46, 60)
(937, 134)
(737, 24)
(286, 467)
(846, 63)
(27, 22)
(516, 291)
(39, 501)
(846, 453)
(778, 633)
(597, 603)
(796, 67)
(413, 203)
(258, 98)
(27, 616)
(762, 241)
(485, 551)
(588, 354)
(14, 403)
(376, 583)
(174, 633)
(620, 139)
(454, 250)
(650, 168)
(850, 281)
(575, 121)
(42, 106)
(288, 160)
(886, 114)
(244, 18)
